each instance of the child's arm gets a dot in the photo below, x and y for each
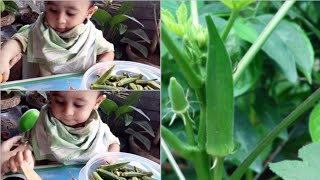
(10, 54)
(114, 148)
(108, 56)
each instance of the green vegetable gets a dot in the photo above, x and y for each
(219, 93)
(105, 76)
(113, 166)
(177, 97)
(96, 176)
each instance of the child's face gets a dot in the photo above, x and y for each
(65, 15)
(73, 108)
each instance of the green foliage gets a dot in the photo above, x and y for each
(237, 4)
(308, 168)
(314, 124)
(8, 5)
(115, 31)
(119, 117)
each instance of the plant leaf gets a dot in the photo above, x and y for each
(237, 4)
(145, 141)
(169, 20)
(108, 106)
(133, 98)
(2, 6)
(125, 7)
(146, 126)
(314, 124)
(122, 28)
(143, 50)
(141, 34)
(182, 14)
(127, 119)
(289, 52)
(308, 168)
(101, 17)
(135, 20)
(140, 111)
(123, 110)
(11, 6)
(117, 19)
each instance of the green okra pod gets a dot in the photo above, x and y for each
(154, 85)
(219, 96)
(139, 87)
(133, 86)
(102, 86)
(96, 176)
(111, 167)
(125, 81)
(105, 76)
(132, 174)
(107, 175)
(142, 82)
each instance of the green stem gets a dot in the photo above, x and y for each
(194, 12)
(171, 160)
(189, 129)
(231, 20)
(218, 169)
(200, 93)
(292, 117)
(183, 62)
(202, 165)
(185, 150)
(248, 57)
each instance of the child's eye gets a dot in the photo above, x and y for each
(58, 101)
(71, 14)
(78, 105)
(53, 10)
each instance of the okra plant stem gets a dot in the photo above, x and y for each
(218, 169)
(231, 20)
(172, 161)
(200, 93)
(189, 129)
(256, 46)
(194, 12)
(183, 62)
(292, 117)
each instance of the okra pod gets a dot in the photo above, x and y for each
(133, 86)
(138, 76)
(111, 167)
(177, 97)
(142, 82)
(107, 175)
(219, 96)
(96, 176)
(125, 81)
(154, 85)
(101, 86)
(105, 76)
(139, 87)
(132, 174)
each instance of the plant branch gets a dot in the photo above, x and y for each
(185, 150)
(231, 20)
(292, 117)
(256, 46)
(172, 161)
(183, 62)
(194, 12)
(189, 129)
(218, 170)
(200, 93)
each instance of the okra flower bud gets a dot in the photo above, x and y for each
(177, 97)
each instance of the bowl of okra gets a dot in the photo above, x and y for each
(119, 166)
(121, 75)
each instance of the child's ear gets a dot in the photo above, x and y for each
(91, 11)
(99, 101)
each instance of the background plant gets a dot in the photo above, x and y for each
(114, 29)
(272, 77)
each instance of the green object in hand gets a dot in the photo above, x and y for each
(28, 119)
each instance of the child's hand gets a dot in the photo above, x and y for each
(5, 67)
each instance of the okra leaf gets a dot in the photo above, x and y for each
(145, 141)
(308, 168)
(287, 52)
(314, 124)
(146, 126)
(169, 20)
(108, 106)
(219, 96)
(182, 14)
(237, 4)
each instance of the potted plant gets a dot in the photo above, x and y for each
(153, 55)
(7, 9)
(118, 115)
(114, 29)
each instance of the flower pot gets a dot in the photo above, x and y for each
(137, 148)
(152, 59)
(7, 18)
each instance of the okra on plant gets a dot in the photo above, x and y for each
(219, 96)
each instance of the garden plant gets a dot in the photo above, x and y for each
(240, 89)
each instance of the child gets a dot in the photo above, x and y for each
(69, 129)
(62, 40)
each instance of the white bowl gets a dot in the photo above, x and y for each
(138, 161)
(91, 75)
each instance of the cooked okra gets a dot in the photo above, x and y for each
(120, 171)
(125, 82)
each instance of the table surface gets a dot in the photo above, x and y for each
(70, 81)
(53, 172)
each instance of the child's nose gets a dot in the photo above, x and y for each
(61, 18)
(68, 111)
